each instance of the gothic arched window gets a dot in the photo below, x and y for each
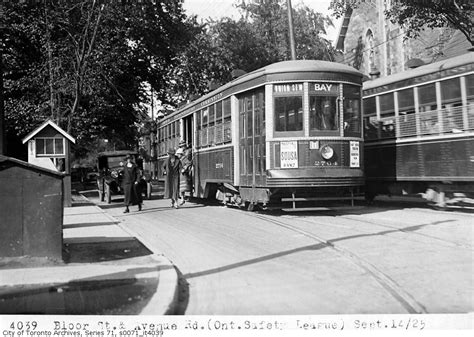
(369, 42)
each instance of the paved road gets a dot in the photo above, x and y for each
(367, 261)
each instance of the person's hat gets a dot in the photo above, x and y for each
(128, 156)
(171, 151)
(179, 152)
(182, 143)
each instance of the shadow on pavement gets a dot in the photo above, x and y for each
(77, 252)
(118, 295)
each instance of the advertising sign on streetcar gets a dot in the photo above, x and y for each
(355, 154)
(289, 154)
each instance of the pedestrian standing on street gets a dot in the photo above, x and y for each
(185, 182)
(171, 170)
(131, 179)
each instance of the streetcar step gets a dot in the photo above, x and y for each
(336, 208)
(317, 199)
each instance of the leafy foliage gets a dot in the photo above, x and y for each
(414, 15)
(83, 64)
(260, 37)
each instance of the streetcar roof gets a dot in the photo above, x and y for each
(289, 67)
(427, 69)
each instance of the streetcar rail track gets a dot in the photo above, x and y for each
(410, 304)
(393, 226)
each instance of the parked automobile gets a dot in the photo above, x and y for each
(110, 167)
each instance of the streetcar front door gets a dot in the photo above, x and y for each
(252, 139)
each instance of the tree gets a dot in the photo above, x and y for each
(258, 38)
(84, 64)
(414, 15)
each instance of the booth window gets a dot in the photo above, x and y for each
(50, 146)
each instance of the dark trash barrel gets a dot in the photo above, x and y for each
(31, 210)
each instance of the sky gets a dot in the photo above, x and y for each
(220, 8)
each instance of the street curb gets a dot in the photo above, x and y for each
(164, 301)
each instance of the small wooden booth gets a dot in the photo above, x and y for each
(49, 147)
(31, 210)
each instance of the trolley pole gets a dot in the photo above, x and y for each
(290, 30)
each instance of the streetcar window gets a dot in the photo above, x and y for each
(259, 114)
(428, 109)
(219, 125)
(198, 120)
(248, 111)
(323, 113)
(212, 115)
(227, 108)
(351, 109)
(289, 113)
(470, 100)
(406, 112)
(451, 90)
(452, 105)
(218, 111)
(427, 96)
(205, 119)
(387, 116)
(470, 86)
(370, 118)
(205, 115)
(210, 128)
(227, 121)
(352, 115)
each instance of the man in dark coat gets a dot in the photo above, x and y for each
(131, 179)
(171, 169)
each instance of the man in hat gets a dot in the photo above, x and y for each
(171, 170)
(131, 179)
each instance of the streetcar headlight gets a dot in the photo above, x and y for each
(327, 152)
(114, 174)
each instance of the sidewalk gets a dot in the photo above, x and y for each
(105, 270)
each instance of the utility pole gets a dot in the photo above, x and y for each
(152, 138)
(290, 30)
(2, 108)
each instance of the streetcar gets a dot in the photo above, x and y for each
(419, 133)
(289, 132)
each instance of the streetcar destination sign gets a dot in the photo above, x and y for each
(326, 87)
(354, 154)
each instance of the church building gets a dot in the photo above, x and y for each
(377, 47)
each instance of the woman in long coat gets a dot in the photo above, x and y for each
(131, 178)
(185, 179)
(171, 170)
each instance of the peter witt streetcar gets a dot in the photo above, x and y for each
(419, 132)
(288, 132)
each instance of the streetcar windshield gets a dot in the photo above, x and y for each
(323, 113)
(289, 113)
